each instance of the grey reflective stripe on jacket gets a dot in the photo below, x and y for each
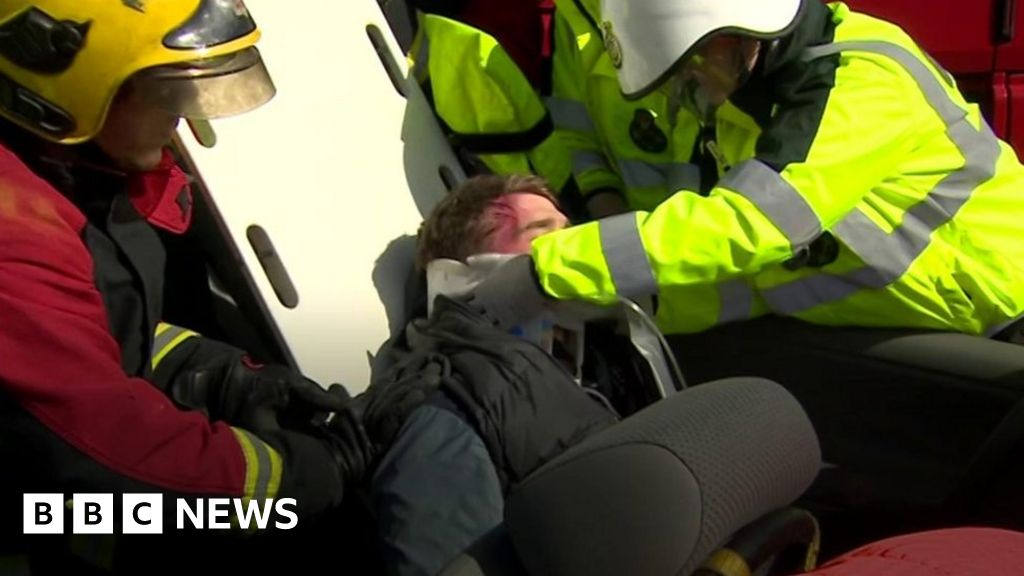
(569, 115)
(781, 203)
(582, 161)
(672, 176)
(167, 338)
(776, 199)
(736, 300)
(631, 272)
(888, 255)
(259, 457)
(627, 260)
(166, 335)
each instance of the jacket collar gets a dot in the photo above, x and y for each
(87, 177)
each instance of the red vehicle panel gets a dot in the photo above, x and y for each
(1010, 35)
(961, 34)
(980, 41)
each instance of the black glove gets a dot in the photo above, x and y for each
(511, 295)
(386, 404)
(348, 443)
(254, 396)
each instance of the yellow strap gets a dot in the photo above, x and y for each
(813, 548)
(727, 562)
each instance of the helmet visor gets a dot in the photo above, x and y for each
(703, 82)
(650, 36)
(211, 88)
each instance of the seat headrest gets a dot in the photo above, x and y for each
(657, 493)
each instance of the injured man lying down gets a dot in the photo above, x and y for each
(506, 402)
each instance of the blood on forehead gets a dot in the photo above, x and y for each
(502, 218)
(508, 217)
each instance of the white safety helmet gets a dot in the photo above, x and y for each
(646, 39)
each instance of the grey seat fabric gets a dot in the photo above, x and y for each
(657, 493)
(906, 418)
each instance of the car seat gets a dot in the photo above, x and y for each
(918, 429)
(662, 491)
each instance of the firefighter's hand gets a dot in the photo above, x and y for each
(243, 393)
(511, 295)
(348, 443)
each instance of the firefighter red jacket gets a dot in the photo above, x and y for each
(81, 291)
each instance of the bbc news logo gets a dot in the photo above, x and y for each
(144, 513)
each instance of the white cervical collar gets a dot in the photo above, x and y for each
(454, 278)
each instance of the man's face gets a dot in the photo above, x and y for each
(135, 132)
(719, 64)
(518, 219)
(713, 74)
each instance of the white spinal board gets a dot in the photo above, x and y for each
(337, 171)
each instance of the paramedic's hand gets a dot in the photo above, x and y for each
(511, 294)
(606, 202)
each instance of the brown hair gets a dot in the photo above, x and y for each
(456, 228)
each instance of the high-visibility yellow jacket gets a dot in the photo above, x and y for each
(486, 102)
(864, 190)
(628, 146)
